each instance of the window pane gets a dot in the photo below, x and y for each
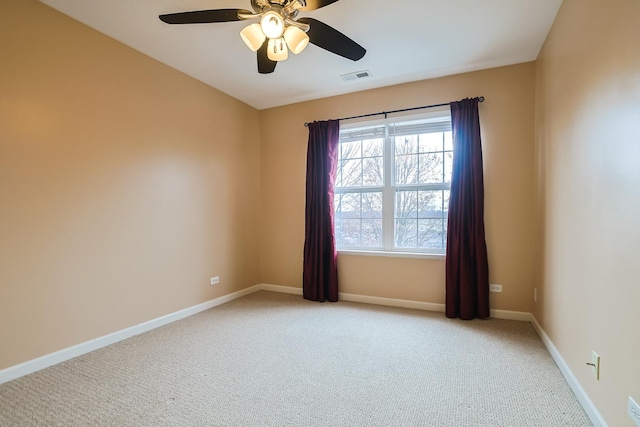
(445, 204)
(358, 220)
(373, 148)
(354, 170)
(372, 233)
(337, 227)
(431, 234)
(406, 169)
(351, 235)
(406, 204)
(351, 173)
(448, 166)
(407, 144)
(373, 172)
(448, 141)
(348, 205)
(350, 150)
(430, 204)
(431, 168)
(406, 233)
(431, 142)
(372, 205)
(433, 204)
(427, 203)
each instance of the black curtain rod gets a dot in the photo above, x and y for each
(480, 99)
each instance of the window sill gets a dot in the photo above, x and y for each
(391, 254)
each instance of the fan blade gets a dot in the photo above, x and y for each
(265, 65)
(317, 4)
(203, 16)
(332, 40)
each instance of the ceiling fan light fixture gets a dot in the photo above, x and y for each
(272, 25)
(296, 39)
(253, 36)
(276, 29)
(277, 50)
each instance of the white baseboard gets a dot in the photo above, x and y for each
(390, 302)
(281, 289)
(582, 396)
(34, 365)
(393, 302)
(511, 315)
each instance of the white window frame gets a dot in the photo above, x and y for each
(389, 189)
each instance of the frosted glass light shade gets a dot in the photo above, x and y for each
(253, 36)
(296, 39)
(277, 50)
(272, 25)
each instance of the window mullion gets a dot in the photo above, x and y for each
(361, 165)
(388, 196)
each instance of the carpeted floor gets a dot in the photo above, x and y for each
(272, 359)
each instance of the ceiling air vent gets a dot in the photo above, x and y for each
(355, 76)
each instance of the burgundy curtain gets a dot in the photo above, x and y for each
(467, 268)
(320, 271)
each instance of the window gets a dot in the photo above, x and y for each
(392, 185)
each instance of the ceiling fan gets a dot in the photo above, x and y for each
(277, 30)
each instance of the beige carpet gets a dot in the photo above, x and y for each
(277, 360)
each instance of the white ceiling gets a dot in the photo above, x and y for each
(406, 40)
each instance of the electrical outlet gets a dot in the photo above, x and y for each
(495, 288)
(595, 365)
(634, 411)
(215, 280)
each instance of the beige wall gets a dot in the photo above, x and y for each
(507, 120)
(588, 145)
(124, 185)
